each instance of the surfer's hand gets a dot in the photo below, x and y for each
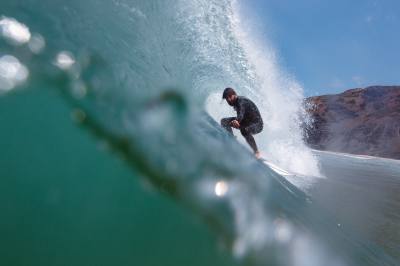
(235, 124)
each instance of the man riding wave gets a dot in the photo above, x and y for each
(248, 119)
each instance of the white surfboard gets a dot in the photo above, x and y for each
(276, 168)
(300, 181)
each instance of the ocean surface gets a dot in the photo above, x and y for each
(111, 152)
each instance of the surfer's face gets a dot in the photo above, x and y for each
(231, 99)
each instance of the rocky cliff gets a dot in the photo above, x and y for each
(359, 121)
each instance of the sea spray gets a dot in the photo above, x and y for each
(277, 94)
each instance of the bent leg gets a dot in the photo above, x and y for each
(249, 138)
(226, 123)
(254, 128)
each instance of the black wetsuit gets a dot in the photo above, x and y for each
(249, 119)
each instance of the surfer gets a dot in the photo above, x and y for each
(248, 119)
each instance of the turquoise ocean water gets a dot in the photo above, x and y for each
(109, 155)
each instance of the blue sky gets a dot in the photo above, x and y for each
(331, 46)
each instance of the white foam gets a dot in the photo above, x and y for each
(278, 96)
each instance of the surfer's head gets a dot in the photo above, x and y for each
(230, 96)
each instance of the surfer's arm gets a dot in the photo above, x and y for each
(240, 112)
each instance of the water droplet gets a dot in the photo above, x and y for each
(12, 73)
(37, 44)
(79, 89)
(78, 116)
(283, 231)
(221, 188)
(65, 60)
(14, 31)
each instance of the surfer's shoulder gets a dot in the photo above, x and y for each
(242, 99)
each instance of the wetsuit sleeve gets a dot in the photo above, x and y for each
(241, 111)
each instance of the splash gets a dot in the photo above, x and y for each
(278, 96)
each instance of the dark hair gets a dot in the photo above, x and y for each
(228, 92)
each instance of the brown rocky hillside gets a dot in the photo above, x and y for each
(359, 121)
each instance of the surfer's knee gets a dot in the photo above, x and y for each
(224, 122)
(244, 132)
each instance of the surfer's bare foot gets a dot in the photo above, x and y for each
(257, 154)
